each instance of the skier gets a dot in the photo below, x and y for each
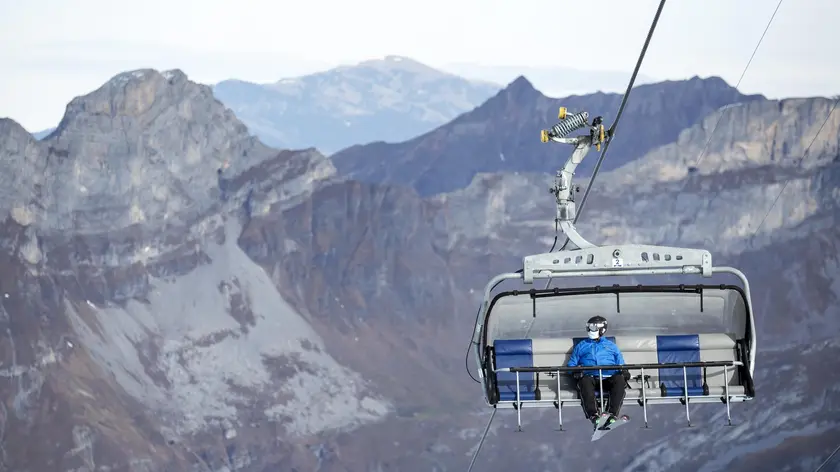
(594, 351)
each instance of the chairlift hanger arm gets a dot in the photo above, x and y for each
(611, 131)
(562, 189)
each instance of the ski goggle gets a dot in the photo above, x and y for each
(594, 327)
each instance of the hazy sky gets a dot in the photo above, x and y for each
(53, 50)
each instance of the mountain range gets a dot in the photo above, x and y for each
(502, 135)
(390, 99)
(177, 295)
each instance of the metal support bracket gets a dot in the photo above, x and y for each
(632, 259)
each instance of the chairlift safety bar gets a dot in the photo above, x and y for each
(581, 368)
(518, 404)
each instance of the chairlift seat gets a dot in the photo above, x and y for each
(657, 383)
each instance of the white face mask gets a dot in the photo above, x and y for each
(592, 334)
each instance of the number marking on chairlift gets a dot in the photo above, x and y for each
(617, 262)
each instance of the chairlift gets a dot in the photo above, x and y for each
(685, 343)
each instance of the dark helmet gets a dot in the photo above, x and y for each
(596, 327)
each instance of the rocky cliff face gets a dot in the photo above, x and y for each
(502, 135)
(391, 99)
(155, 327)
(162, 315)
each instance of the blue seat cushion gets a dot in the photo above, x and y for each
(679, 348)
(515, 353)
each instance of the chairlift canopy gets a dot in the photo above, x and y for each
(633, 310)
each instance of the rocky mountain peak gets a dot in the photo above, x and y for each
(147, 147)
(132, 94)
(10, 127)
(712, 82)
(521, 85)
(518, 95)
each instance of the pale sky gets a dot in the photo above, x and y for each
(54, 50)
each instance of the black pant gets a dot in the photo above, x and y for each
(614, 385)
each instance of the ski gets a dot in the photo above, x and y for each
(599, 424)
(603, 429)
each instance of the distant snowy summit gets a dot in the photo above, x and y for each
(390, 99)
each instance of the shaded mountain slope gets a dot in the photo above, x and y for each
(502, 135)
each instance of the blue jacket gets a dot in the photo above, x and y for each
(596, 352)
